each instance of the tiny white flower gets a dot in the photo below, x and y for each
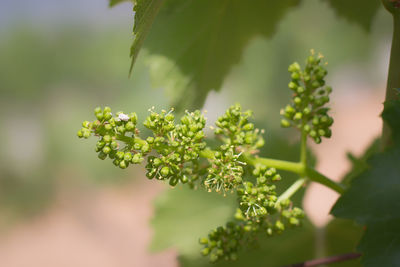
(123, 117)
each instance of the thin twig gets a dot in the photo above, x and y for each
(333, 259)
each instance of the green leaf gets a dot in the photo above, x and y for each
(361, 12)
(359, 164)
(116, 2)
(145, 13)
(373, 200)
(194, 44)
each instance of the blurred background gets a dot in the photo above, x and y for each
(61, 206)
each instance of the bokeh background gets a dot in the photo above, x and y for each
(61, 206)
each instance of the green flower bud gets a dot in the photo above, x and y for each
(123, 164)
(295, 75)
(107, 116)
(86, 133)
(86, 124)
(294, 221)
(164, 171)
(294, 67)
(137, 159)
(128, 156)
(102, 155)
(114, 145)
(99, 116)
(133, 117)
(173, 181)
(106, 150)
(107, 139)
(120, 155)
(169, 117)
(97, 110)
(129, 126)
(205, 251)
(300, 90)
(248, 127)
(79, 134)
(293, 85)
(298, 116)
(145, 148)
(285, 123)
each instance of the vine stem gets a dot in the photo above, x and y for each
(295, 167)
(333, 259)
(291, 190)
(303, 148)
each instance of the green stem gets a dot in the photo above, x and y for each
(393, 80)
(292, 190)
(295, 167)
(315, 176)
(303, 148)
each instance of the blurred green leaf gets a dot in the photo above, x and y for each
(358, 11)
(341, 237)
(184, 215)
(194, 44)
(373, 200)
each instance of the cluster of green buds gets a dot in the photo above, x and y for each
(118, 137)
(178, 146)
(223, 242)
(308, 111)
(259, 199)
(235, 130)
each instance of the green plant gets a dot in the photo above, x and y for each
(178, 153)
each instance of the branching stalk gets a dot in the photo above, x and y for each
(292, 190)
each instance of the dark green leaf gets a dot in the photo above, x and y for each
(374, 195)
(381, 244)
(359, 164)
(361, 12)
(391, 114)
(194, 44)
(373, 200)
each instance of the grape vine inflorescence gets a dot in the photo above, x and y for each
(178, 153)
(308, 112)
